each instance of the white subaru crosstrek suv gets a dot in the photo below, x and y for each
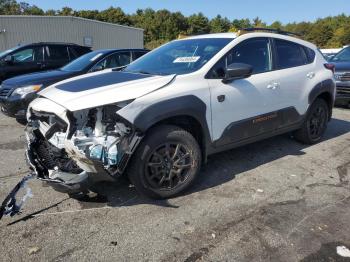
(159, 119)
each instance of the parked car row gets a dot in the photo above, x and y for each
(16, 93)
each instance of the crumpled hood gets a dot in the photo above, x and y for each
(102, 88)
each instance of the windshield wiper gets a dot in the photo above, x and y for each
(144, 72)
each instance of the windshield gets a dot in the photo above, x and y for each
(83, 62)
(342, 56)
(179, 57)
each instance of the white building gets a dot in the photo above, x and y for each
(17, 30)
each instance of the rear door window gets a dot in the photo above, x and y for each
(58, 53)
(289, 54)
(120, 59)
(115, 60)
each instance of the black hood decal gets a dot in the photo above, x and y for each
(96, 81)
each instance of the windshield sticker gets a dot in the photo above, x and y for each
(95, 57)
(187, 59)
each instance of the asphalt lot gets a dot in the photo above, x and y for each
(275, 200)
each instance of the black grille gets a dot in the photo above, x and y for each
(343, 91)
(345, 77)
(5, 90)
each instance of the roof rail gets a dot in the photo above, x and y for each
(270, 30)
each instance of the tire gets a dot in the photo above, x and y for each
(315, 123)
(166, 162)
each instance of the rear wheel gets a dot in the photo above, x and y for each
(315, 124)
(166, 162)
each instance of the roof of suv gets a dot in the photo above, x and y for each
(254, 34)
(55, 43)
(216, 35)
(51, 43)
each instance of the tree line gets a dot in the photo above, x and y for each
(162, 26)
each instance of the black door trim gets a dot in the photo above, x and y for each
(256, 128)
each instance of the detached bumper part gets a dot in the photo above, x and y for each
(61, 181)
(10, 206)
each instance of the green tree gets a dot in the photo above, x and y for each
(113, 15)
(320, 34)
(276, 25)
(27, 9)
(51, 12)
(240, 24)
(89, 14)
(198, 24)
(66, 11)
(257, 22)
(9, 7)
(219, 24)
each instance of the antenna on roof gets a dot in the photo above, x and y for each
(269, 30)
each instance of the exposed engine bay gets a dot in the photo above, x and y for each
(92, 143)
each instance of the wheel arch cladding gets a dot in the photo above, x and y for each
(325, 90)
(188, 112)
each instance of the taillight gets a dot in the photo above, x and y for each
(330, 67)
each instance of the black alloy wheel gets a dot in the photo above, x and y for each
(168, 166)
(166, 162)
(315, 123)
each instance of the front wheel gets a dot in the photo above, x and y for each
(315, 123)
(166, 162)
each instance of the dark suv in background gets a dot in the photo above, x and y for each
(342, 76)
(37, 57)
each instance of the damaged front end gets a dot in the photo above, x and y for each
(71, 150)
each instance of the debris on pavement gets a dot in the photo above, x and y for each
(9, 206)
(33, 250)
(343, 251)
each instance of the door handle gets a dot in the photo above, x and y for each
(276, 85)
(311, 75)
(273, 85)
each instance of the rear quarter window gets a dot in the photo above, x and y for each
(311, 54)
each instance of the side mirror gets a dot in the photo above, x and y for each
(237, 71)
(9, 59)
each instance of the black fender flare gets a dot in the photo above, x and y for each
(327, 86)
(188, 105)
